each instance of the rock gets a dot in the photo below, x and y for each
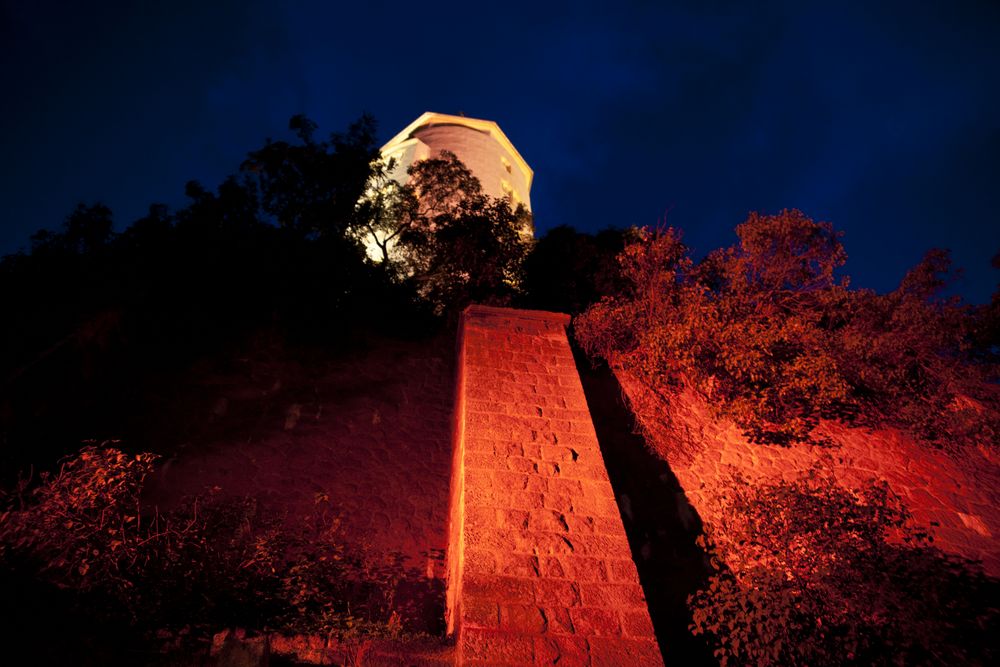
(233, 649)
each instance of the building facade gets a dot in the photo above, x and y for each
(480, 144)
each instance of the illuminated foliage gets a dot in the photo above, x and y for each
(776, 342)
(211, 563)
(806, 573)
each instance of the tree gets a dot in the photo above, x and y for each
(440, 232)
(567, 270)
(271, 246)
(461, 246)
(88, 229)
(383, 214)
(986, 338)
(766, 332)
(313, 187)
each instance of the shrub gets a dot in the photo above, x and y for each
(817, 574)
(766, 332)
(83, 527)
(211, 563)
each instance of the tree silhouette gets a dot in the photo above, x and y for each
(94, 316)
(568, 270)
(313, 187)
(461, 245)
(441, 233)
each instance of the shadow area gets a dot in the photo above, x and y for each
(660, 523)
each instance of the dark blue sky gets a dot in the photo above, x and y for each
(881, 117)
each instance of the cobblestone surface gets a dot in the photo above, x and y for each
(543, 571)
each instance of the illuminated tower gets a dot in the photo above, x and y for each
(479, 144)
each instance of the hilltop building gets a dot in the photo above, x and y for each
(480, 144)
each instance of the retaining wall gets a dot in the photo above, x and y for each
(540, 570)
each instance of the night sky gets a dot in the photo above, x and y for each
(882, 118)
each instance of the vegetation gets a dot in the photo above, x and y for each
(211, 563)
(805, 574)
(569, 270)
(770, 336)
(767, 330)
(440, 231)
(101, 323)
(99, 320)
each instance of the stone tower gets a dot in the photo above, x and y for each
(479, 144)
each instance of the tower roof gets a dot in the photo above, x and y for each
(429, 118)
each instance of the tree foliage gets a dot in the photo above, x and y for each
(443, 234)
(767, 332)
(93, 314)
(568, 270)
(464, 246)
(312, 187)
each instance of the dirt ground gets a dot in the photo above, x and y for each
(366, 434)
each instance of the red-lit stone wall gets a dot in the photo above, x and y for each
(540, 571)
(365, 436)
(956, 497)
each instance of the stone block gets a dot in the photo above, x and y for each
(559, 454)
(584, 568)
(512, 519)
(637, 623)
(551, 567)
(548, 520)
(557, 592)
(499, 588)
(565, 487)
(559, 620)
(588, 622)
(617, 652)
(526, 500)
(519, 565)
(522, 619)
(612, 596)
(491, 540)
(603, 546)
(480, 613)
(621, 570)
(480, 647)
(563, 651)
(480, 561)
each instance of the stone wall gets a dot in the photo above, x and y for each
(540, 570)
(364, 435)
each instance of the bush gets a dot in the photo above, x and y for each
(766, 332)
(816, 574)
(211, 563)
